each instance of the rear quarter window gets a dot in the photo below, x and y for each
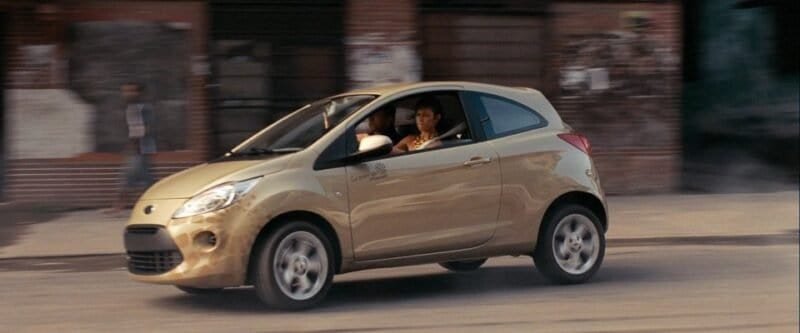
(504, 116)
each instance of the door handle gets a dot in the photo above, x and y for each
(477, 161)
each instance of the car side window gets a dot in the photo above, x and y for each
(507, 117)
(450, 127)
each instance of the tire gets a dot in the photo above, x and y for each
(294, 267)
(199, 291)
(463, 265)
(563, 253)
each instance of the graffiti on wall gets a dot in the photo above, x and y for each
(625, 62)
(376, 59)
(622, 82)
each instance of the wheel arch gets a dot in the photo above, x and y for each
(584, 199)
(288, 217)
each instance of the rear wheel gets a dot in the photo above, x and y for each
(199, 291)
(294, 267)
(463, 265)
(571, 246)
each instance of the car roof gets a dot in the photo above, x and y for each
(529, 96)
(391, 89)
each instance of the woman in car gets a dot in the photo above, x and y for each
(428, 115)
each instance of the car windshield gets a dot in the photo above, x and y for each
(303, 127)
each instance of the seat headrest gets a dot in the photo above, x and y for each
(404, 122)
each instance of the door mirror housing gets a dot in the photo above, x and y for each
(372, 146)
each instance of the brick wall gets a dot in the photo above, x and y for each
(391, 17)
(615, 76)
(30, 63)
(72, 182)
(35, 45)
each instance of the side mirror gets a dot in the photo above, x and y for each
(372, 146)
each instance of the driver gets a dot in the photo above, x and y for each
(428, 115)
(381, 122)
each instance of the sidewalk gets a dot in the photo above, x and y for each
(688, 215)
(76, 233)
(632, 217)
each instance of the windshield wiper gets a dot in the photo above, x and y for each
(259, 151)
(263, 151)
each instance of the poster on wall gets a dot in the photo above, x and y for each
(376, 59)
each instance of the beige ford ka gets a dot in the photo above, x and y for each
(437, 172)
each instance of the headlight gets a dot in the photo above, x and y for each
(215, 198)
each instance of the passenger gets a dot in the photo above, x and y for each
(381, 122)
(428, 115)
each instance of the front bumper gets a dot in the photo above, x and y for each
(163, 250)
(150, 250)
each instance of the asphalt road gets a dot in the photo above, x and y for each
(666, 285)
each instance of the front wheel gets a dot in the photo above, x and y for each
(571, 245)
(463, 265)
(294, 267)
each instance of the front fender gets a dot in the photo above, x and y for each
(320, 193)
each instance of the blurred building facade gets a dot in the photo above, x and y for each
(65, 61)
(741, 95)
(218, 71)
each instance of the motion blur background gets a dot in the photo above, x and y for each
(693, 96)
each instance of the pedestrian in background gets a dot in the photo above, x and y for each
(141, 144)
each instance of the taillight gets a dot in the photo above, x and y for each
(577, 140)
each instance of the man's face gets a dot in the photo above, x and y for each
(130, 92)
(380, 121)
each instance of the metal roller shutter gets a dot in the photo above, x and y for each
(268, 58)
(500, 42)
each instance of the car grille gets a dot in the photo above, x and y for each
(150, 250)
(153, 262)
(142, 230)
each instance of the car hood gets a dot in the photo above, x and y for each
(192, 181)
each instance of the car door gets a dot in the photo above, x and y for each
(425, 201)
(430, 201)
